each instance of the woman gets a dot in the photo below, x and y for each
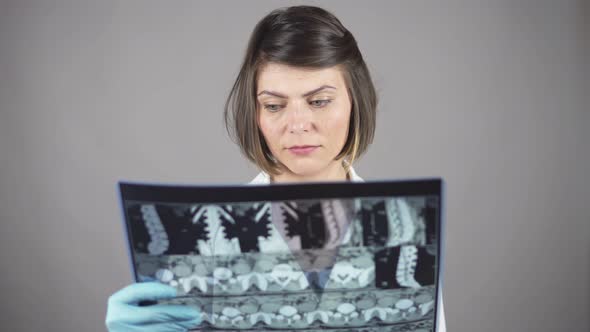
(302, 108)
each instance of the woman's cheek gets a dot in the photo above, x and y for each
(272, 135)
(338, 123)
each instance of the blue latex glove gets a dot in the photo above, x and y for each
(124, 314)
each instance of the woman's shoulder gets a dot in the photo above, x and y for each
(261, 178)
(353, 176)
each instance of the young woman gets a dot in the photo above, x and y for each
(303, 109)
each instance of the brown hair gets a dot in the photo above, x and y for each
(307, 37)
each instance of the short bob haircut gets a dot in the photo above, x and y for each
(307, 37)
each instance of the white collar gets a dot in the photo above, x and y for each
(264, 178)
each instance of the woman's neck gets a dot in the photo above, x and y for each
(335, 172)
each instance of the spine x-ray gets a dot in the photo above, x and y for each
(343, 263)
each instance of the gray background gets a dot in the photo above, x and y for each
(490, 95)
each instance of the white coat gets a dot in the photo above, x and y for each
(263, 178)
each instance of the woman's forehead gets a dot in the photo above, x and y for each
(297, 80)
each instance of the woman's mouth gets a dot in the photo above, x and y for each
(302, 150)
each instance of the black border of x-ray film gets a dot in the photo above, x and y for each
(182, 193)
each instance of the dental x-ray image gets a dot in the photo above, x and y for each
(263, 260)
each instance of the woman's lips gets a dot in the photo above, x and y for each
(303, 150)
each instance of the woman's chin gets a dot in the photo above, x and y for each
(304, 169)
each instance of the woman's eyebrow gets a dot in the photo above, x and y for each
(307, 94)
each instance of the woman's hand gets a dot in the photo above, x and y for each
(125, 315)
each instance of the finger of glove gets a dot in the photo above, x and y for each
(158, 327)
(160, 313)
(175, 326)
(134, 293)
(172, 326)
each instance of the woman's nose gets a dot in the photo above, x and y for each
(300, 118)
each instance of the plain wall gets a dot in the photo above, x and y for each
(490, 95)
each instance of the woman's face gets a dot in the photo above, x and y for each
(303, 115)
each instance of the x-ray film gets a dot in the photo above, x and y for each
(292, 257)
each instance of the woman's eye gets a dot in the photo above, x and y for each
(320, 103)
(272, 107)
